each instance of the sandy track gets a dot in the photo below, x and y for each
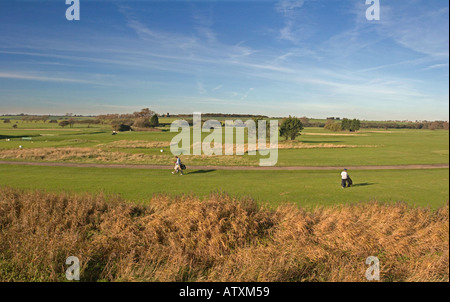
(283, 168)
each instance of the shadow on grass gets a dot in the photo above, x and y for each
(201, 171)
(321, 142)
(363, 184)
(17, 136)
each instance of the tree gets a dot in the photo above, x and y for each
(146, 112)
(290, 128)
(333, 126)
(346, 124)
(141, 122)
(351, 125)
(154, 121)
(89, 122)
(117, 126)
(355, 125)
(71, 122)
(304, 120)
(63, 123)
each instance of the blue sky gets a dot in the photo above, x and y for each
(291, 57)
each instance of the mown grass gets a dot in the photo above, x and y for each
(425, 188)
(367, 147)
(219, 238)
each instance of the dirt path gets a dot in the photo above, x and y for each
(284, 168)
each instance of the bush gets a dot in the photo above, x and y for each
(290, 128)
(154, 121)
(121, 127)
(64, 123)
(141, 122)
(333, 126)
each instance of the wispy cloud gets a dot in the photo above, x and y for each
(43, 78)
(246, 94)
(436, 66)
(292, 30)
(423, 32)
(217, 87)
(200, 88)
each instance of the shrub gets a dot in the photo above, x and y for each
(142, 122)
(154, 121)
(64, 123)
(121, 127)
(290, 128)
(333, 126)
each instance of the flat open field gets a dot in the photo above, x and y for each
(424, 187)
(316, 147)
(91, 194)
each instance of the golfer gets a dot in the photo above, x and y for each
(177, 166)
(345, 179)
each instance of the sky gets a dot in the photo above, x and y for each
(314, 58)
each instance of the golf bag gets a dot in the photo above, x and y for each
(349, 181)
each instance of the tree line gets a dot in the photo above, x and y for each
(145, 118)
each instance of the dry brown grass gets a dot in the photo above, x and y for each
(289, 145)
(107, 155)
(334, 134)
(219, 238)
(127, 144)
(85, 155)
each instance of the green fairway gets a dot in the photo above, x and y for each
(427, 187)
(315, 147)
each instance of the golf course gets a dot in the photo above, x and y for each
(389, 165)
(111, 199)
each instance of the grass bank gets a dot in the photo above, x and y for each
(219, 238)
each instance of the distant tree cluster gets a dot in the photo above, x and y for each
(233, 115)
(345, 125)
(34, 118)
(407, 125)
(108, 118)
(350, 125)
(145, 118)
(89, 122)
